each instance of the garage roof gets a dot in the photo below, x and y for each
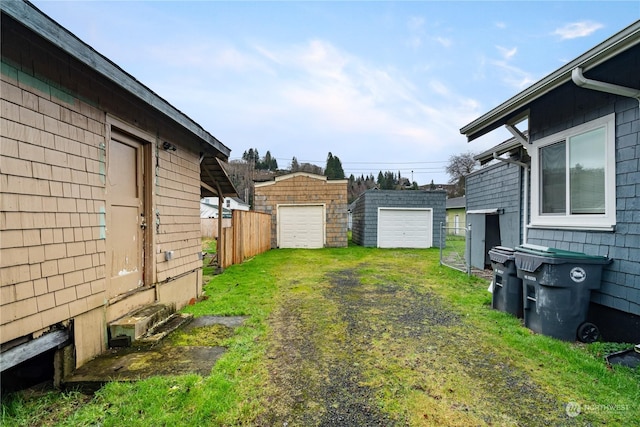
(515, 108)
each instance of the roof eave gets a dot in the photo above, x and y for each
(42, 25)
(514, 106)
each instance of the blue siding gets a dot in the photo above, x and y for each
(365, 211)
(621, 280)
(498, 186)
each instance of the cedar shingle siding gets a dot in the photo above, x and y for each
(58, 119)
(303, 188)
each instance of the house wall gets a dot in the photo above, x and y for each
(301, 188)
(498, 186)
(52, 214)
(178, 203)
(365, 213)
(451, 220)
(620, 287)
(54, 134)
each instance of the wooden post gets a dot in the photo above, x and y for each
(220, 243)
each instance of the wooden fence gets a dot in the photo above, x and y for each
(249, 235)
(209, 226)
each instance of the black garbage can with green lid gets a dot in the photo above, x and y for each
(557, 288)
(507, 286)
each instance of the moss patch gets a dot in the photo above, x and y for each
(209, 336)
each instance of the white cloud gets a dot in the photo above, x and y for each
(415, 25)
(327, 90)
(507, 53)
(208, 55)
(514, 76)
(501, 25)
(311, 98)
(439, 88)
(577, 29)
(445, 42)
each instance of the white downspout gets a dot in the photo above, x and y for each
(580, 80)
(525, 201)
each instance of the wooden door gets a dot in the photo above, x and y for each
(125, 229)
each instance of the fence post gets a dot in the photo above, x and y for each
(441, 229)
(468, 250)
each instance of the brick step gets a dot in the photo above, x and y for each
(133, 326)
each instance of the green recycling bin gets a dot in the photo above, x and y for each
(557, 288)
(507, 286)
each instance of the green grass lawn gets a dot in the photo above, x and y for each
(235, 393)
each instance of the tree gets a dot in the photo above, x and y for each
(251, 156)
(295, 166)
(458, 167)
(333, 170)
(268, 163)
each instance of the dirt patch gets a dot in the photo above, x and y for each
(314, 372)
(339, 359)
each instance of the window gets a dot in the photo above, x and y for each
(573, 177)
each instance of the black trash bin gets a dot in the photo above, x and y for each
(557, 288)
(507, 286)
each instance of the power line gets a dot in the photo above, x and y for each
(355, 163)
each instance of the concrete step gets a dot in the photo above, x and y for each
(164, 328)
(136, 324)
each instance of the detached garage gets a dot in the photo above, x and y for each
(307, 210)
(398, 219)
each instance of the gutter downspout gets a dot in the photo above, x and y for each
(583, 82)
(525, 202)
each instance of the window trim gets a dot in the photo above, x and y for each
(606, 221)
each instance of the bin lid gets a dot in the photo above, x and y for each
(531, 257)
(502, 254)
(503, 249)
(560, 253)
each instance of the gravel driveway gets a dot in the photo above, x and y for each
(334, 359)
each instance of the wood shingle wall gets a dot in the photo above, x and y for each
(304, 188)
(52, 214)
(58, 119)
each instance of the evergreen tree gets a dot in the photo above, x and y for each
(333, 170)
(251, 156)
(268, 162)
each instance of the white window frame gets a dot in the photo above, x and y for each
(606, 221)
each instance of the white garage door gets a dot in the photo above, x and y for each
(301, 226)
(405, 228)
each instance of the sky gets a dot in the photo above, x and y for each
(382, 85)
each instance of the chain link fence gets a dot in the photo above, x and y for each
(454, 247)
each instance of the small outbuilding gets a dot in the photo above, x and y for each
(307, 210)
(100, 182)
(398, 219)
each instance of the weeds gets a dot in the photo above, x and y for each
(417, 342)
